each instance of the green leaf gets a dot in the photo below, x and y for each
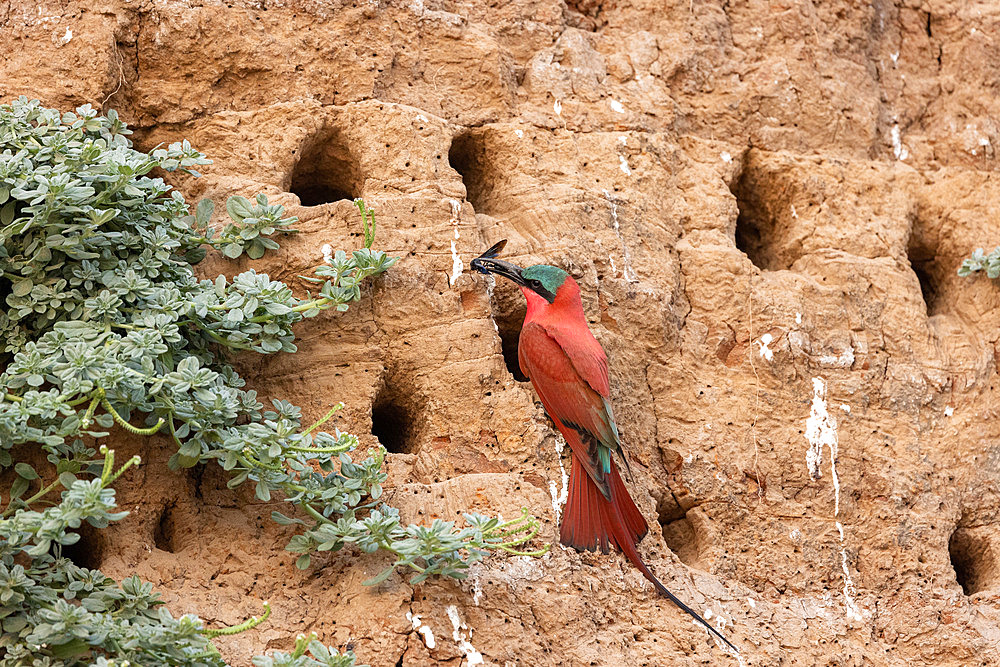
(195, 255)
(70, 649)
(283, 520)
(380, 577)
(238, 479)
(239, 208)
(255, 251)
(302, 562)
(66, 479)
(7, 213)
(25, 471)
(185, 461)
(232, 250)
(275, 308)
(18, 487)
(262, 492)
(204, 212)
(14, 624)
(22, 287)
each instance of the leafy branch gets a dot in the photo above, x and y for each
(990, 263)
(53, 610)
(105, 325)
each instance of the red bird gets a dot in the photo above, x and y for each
(569, 370)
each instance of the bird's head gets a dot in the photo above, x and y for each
(541, 279)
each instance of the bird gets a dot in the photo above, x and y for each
(569, 370)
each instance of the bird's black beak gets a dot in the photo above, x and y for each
(488, 263)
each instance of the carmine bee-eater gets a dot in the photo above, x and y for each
(569, 370)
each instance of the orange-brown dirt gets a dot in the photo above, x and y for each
(765, 204)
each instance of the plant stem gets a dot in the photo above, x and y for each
(311, 511)
(308, 305)
(325, 418)
(27, 503)
(125, 425)
(339, 449)
(249, 624)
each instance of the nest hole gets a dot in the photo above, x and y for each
(679, 532)
(755, 224)
(508, 308)
(88, 551)
(326, 170)
(164, 535)
(394, 419)
(923, 262)
(469, 156)
(585, 14)
(976, 565)
(767, 223)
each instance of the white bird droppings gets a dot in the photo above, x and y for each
(64, 40)
(843, 360)
(726, 157)
(327, 251)
(752, 603)
(853, 612)
(472, 656)
(845, 407)
(623, 165)
(765, 351)
(720, 625)
(519, 133)
(617, 107)
(798, 318)
(949, 411)
(557, 107)
(477, 588)
(821, 429)
(559, 496)
(426, 633)
(627, 270)
(898, 149)
(456, 261)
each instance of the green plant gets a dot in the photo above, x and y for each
(105, 324)
(54, 611)
(979, 262)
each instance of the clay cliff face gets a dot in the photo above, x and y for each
(765, 205)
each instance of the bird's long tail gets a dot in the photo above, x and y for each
(592, 522)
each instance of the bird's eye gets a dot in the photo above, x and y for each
(536, 283)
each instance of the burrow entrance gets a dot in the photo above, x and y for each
(326, 170)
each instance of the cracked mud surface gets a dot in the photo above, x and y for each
(752, 196)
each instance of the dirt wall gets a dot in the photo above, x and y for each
(765, 204)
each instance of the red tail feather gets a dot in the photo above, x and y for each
(592, 522)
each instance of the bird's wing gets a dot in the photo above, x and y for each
(570, 399)
(590, 361)
(586, 355)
